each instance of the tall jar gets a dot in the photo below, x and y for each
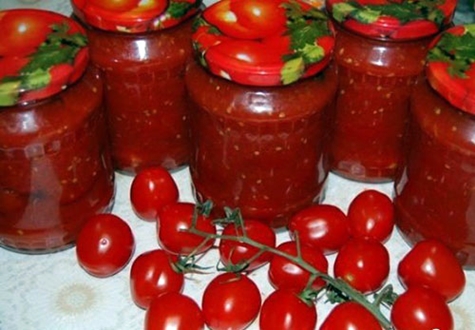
(435, 191)
(54, 159)
(261, 93)
(380, 50)
(141, 48)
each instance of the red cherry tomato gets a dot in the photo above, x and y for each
(285, 310)
(234, 252)
(230, 301)
(22, 32)
(173, 310)
(151, 189)
(430, 263)
(350, 315)
(154, 273)
(363, 263)
(371, 214)
(285, 274)
(420, 308)
(321, 226)
(104, 245)
(174, 221)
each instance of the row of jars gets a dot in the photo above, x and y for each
(261, 99)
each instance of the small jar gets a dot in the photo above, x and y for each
(261, 93)
(435, 190)
(142, 47)
(54, 160)
(380, 50)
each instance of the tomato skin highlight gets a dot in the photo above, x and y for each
(173, 222)
(321, 226)
(432, 264)
(233, 253)
(284, 310)
(151, 189)
(285, 274)
(420, 308)
(363, 263)
(371, 215)
(175, 311)
(350, 315)
(230, 301)
(152, 273)
(104, 245)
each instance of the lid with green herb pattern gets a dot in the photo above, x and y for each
(41, 53)
(393, 19)
(134, 16)
(451, 66)
(265, 42)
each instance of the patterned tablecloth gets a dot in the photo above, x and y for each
(49, 292)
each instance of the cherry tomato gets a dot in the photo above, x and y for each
(230, 301)
(154, 273)
(363, 263)
(173, 310)
(350, 315)
(321, 226)
(420, 308)
(371, 214)
(432, 264)
(151, 189)
(22, 32)
(104, 245)
(285, 310)
(234, 253)
(174, 221)
(285, 274)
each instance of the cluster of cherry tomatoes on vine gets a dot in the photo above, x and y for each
(297, 268)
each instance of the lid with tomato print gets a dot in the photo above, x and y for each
(41, 53)
(263, 43)
(134, 16)
(450, 66)
(392, 19)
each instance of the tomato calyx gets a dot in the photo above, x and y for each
(308, 295)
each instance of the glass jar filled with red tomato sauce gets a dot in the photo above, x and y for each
(380, 49)
(261, 90)
(142, 47)
(435, 190)
(55, 168)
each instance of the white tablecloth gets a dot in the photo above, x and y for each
(51, 292)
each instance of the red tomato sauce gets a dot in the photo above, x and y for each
(376, 78)
(259, 148)
(435, 195)
(55, 168)
(145, 95)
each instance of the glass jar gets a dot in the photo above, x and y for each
(260, 108)
(378, 60)
(142, 48)
(54, 161)
(435, 190)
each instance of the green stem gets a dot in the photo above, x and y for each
(337, 283)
